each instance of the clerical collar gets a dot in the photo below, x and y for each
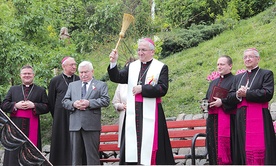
(27, 85)
(67, 76)
(226, 75)
(250, 70)
(144, 63)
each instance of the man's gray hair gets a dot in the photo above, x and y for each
(151, 46)
(86, 63)
(254, 50)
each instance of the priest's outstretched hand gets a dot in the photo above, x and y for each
(113, 56)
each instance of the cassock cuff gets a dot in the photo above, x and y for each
(34, 111)
(112, 65)
(14, 110)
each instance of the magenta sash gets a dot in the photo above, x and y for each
(254, 138)
(139, 98)
(224, 145)
(33, 126)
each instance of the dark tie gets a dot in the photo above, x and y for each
(83, 91)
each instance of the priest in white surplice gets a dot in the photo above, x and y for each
(145, 138)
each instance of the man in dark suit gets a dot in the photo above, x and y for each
(84, 98)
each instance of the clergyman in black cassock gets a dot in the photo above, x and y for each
(145, 138)
(221, 116)
(60, 153)
(25, 103)
(255, 142)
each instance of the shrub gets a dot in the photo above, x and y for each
(181, 39)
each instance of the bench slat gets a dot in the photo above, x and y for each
(184, 133)
(186, 143)
(109, 128)
(186, 123)
(109, 137)
(109, 147)
(174, 144)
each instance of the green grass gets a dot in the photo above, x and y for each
(188, 69)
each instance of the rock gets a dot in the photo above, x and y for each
(180, 116)
(171, 119)
(198, 116)
(273, 115)
(188, 117)
(273, 107)
(46, 149)
(184, 151)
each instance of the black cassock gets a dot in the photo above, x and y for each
(60, 153)
(18, 93)
(164, 154)
(261, 89)
(212, 120)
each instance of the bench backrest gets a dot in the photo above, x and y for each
(180, 132)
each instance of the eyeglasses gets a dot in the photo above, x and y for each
(249, 57)
(72, 64)
(143, 50)
(27, 74)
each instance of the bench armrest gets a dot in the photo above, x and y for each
(193, 147)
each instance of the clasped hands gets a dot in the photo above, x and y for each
(81, 104)
(242, 91)
(121, 107)
(24, 105)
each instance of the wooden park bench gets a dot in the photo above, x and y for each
(183, 134)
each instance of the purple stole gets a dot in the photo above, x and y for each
(33, 125)
(224, 147)
(254, 134)
(139, 98)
